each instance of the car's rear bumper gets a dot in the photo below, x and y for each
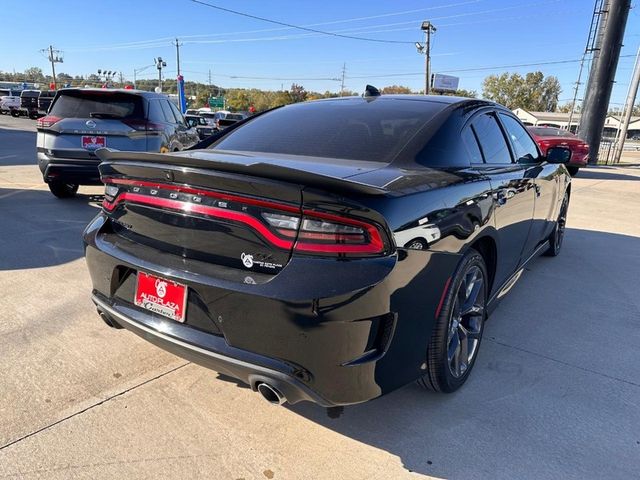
(69, 170)
(579, 160)
(331, 331)
(212, 352)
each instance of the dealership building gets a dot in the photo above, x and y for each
(561, 120)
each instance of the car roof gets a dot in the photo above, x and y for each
(441, 99)
(142, 93)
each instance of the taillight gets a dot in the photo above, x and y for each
(47, 121)
(319, 232)
(143, 125)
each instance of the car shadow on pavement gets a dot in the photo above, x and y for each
(528, 407)
(17, 147)
(39, 230)
(601, 174)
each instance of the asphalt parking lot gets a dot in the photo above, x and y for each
(555, 392)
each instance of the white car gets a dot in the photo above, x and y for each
(10, 102)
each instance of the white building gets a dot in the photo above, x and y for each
(561, 120)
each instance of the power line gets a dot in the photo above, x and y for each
(298, 27)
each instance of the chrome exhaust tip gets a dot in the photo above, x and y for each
(271, 394)
(109, 321)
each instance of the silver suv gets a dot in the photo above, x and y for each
(82, 120)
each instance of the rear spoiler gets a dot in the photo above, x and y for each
(258, 169)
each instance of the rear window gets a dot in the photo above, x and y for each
(374, 130)
(232, 116)
(83, 104)
(4, 93)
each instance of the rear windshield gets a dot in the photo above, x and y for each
(375, 130)
(4, 93)
(550, 132)
(79, 104)
(232, 116)
(30, 93)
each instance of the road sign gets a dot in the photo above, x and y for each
(445, 83)
(216, 102)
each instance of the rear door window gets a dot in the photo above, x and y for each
(492, 142)
(471, 145)
(177, 113)
(166, 109)
(524, 147)
(89, 104)
(155, 113)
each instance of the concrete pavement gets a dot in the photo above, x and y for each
(555, 392)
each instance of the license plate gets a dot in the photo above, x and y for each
(161, 296)
(90, 142)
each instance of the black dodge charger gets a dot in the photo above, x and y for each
(329, 251)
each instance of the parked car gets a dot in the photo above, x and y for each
(548, 137)
(286, 257)
(44, 101)
(81, 120)
(10, 102)
(229, 119)
(200, 124)
(29, 103)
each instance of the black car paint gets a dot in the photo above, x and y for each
(336, 331)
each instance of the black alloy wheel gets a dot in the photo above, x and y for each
(456, 338)
(557, 236)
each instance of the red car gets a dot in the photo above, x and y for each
(547, 137)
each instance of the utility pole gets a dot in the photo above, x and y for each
(54, 56)
(121, 80)
(621, 134)
(428, 28)
(178, 45)
(344, 69)
(209, 79)
(588, 50)
(602, 74)
(160, 64)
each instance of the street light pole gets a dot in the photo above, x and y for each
(428, 28)
(159, 65)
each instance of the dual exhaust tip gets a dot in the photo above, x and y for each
(270, 394)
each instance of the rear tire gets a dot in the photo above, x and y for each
(557, 236)
(457, 335)
(573, 171)
(63, 190)
(15, 113)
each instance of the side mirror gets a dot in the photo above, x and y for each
(558, 155)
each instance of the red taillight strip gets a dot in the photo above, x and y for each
(202, 193)
(375, 245)
(242, 218)
(201, 209)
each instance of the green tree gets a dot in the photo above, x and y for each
(298, 93)
(34, 74)
(395, 89)
(531, 92)
(461, 92)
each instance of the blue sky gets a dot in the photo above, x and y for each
(472, 34)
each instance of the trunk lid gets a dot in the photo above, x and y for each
(240, 211)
